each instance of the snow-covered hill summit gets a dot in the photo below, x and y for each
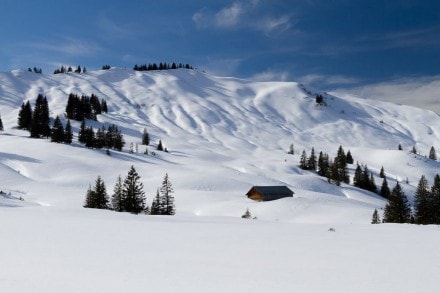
(224, 135)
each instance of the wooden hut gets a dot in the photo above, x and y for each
(266, 193)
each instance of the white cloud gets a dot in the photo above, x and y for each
(221, 67)
(229, 16)
(271, 24)
(422, 92)
(242, 14)
(270, 75)
(327, 79)
(67, 46)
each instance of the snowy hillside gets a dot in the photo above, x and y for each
(224, 135)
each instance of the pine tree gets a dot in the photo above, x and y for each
(375, 218)
(25, 116)
(349, 158)
(68, 135)
(435, 200)
(156, 208)
(145, 137)
(57, 131)
(385, 190)
(97, 198)
(90, 138)
(291, 150)
(303, 160)
(399, 147)
(102, 201)
(357, 179)
(167, 198)
(90, 199)
(397, 210)
(422, 202)
(82, 134)
(40, 118)
(117, 196)
(247, 214)
(311, 163)
(432, 154)
(323, 164)
(160, 146)
(414, 150)
(382, 173)
(1, 125)
(133, 194)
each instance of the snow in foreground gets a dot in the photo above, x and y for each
(100, 251)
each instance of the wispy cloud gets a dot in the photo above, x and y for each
(270, 75)
(221, 66)
(242, 14)
(110, 29)
(66, 46)
(422, 92)
(327, 80)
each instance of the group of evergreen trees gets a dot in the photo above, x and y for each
(427, 202)
(129, 196)
(59, 134)
(35, 70)
(161, 66)
(84, 107)
(111, 138)
(36, 121)
(69, 69)
(364, 179)
(335, 171)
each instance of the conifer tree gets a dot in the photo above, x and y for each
(375, 218)
(323, 164)
(57, 131)
(156, 208)
(303, 160)
(90, 138)
(117, 199)
(167, 198)
(385, 190)
(40, 118)
(82, 134)
(414, 150)
(133, 194)
(25, 116)
(68, 135)
(435, 200)
(382, 173)
(422, 202)
(145, 137)
(247, 214)
(291, 150)
(97, 198)
(311, 163)
(432, 154)
(160, 146)
(397, 210)
(1, 125)
(349, 158)
(399, 147)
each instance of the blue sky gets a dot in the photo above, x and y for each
(328, 44)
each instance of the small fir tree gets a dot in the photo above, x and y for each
(385, 190)
(1, 125)
(291, 150)
(432, 154)
(97, 198)
(382, 173)
(117, 196)
(397, 210)
(303, 160)
(156, 208)
(145, 137)
(167, 198)
(57, 131)
(375, 218)
(133, 193)
(160, 146)
(349, 158)
(247, 214)
(422, 203)
(68, 135)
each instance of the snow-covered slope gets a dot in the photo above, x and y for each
(224, 135)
